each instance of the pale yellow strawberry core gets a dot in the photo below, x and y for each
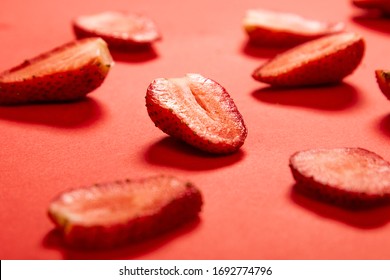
(70, 57)
(287, 22)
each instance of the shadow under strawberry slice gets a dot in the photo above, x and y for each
(327, 60)
(198, 111)
(66, 73)
(113, 214)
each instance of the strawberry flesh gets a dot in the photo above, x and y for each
(66, 73)
(113, 214)
(383, 80)
(198, 111)
(326, 60)
(119, 30)
(344, 176)
(277, 29)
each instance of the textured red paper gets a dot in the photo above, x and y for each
(250, 210)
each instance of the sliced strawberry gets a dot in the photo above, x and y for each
(344, 176)
(113, 214)
(325, 60)
(381, 5)
(198, 111)
(383, 80)
(120, 30)
(66, 73)
(277, 29)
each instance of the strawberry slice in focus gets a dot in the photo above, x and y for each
(383, 80)
(66, 73)
(113, 214)
(278, 29)
(326, 60)
(198, 111)
(349, 177)
(125, 31)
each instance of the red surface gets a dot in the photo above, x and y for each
(250, 210)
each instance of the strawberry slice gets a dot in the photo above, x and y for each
(113, 214)
(120, 30)
(325, 60)
(198, 111)
(277, 29)
(383, 80)
(66, 73)
(381, 5)
(350, 177)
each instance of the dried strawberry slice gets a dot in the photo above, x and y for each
(113, 214)
(321, 61)
(344, 176)
(279, 29)
(198, 111)
(66, 73)
(120, 30)
(383, 80)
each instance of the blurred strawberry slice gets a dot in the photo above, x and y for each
(118, 29)
(277, 29)
(381, 5)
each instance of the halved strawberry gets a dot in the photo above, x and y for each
(198, 111)
(345, 176)
(381, 5)
(66, 73)
(383, 80)
(325, 60)
(278, 29)
(120, 30)
(113, 214)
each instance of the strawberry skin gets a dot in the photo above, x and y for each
(112, 214)
(322, 61)
(349, 177)
(123, 31)
(198, 111)
(383, 80)
(66, 73)
(268, 28)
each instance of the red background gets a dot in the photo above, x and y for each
(250, 210)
